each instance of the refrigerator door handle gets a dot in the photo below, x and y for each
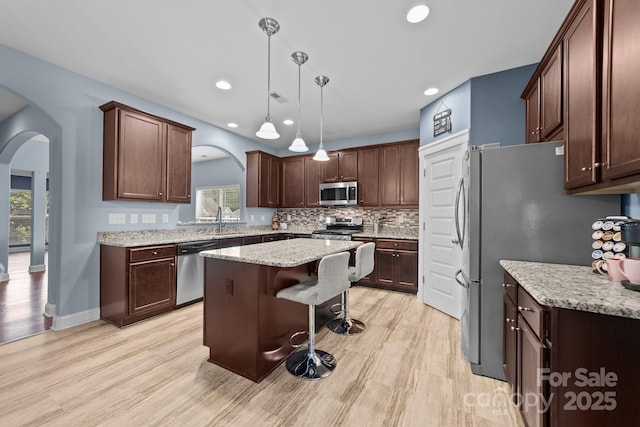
(460, 237)
(464, 284)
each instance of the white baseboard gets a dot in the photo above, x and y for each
(49, 310)
(75, 319)
(37, 268)
(4, 277)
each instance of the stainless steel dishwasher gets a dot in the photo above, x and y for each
(190, 280)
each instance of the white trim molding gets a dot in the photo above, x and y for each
(75, 319)
(36, 268)
(4, 277)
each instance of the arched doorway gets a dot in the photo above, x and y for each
(24, 167)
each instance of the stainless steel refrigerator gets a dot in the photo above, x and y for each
(515, 208)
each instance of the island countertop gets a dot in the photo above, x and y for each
(574, 287)
(282, 253)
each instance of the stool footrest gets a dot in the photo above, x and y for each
(346, 326)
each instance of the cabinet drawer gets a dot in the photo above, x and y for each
(532, 312)
(151, 252)
(510, 287)
(407, 245)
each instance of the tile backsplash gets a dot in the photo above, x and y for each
(389, 217)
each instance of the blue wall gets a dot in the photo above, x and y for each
(498, 114)
(459, 100)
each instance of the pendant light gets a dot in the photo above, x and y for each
(268, 131)
(298, 144)
(321, 154)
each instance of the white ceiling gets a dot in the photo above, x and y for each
(173, 52)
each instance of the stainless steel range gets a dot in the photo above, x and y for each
(339, 228)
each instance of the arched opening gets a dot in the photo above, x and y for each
(24, 218)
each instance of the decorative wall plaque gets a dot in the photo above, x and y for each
(442, 122)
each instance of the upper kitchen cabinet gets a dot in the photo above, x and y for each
(398, 172)
(293, 182)
(145, 157)
(263, 180)
(602, 152)
(312, 180)
(341, 167)
(581, 98)
(368, 183)
(621, 85)
(543, 96)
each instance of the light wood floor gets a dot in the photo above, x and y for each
(405, 369)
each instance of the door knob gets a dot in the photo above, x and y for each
(455, 241)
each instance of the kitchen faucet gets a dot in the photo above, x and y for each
(219, 215)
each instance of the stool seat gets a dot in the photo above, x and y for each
(332, 280)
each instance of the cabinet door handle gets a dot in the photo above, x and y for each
(173, 265)
(507, 285)
(597, 165)
(155, 252)
(584, 169)
(524, 308)
(159, 194)
(514, 329)
(189, 196)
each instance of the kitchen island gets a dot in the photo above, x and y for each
(246, 327)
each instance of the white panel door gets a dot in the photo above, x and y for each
(441, 255)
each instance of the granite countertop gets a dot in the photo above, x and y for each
(574, 287)
(193, 234)
(283, 253)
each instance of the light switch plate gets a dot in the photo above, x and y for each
(133, 218)
(560, 151)
(148, 218)
(117, 218)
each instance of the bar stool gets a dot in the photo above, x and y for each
(332, 280)
(364, 265)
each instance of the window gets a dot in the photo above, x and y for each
(20, 216)
(208, 199)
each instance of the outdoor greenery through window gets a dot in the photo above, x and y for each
(208, 199)
(20, 218)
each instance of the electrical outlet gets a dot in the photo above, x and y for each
(253, 218)
(165, 218)
(117, 218)
(148, 218)
(288, 217)
(401, 219)
(261, 217)
(133, 218)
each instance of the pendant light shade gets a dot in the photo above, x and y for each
(298, 144)
(268, 131)
(321, 154)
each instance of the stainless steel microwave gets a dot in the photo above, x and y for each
(339, 194)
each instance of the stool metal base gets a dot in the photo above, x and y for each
(347, 326)
(316, 366)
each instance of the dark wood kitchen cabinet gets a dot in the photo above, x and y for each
(397, 264)
(312, 180)
(368, 180)
(341, 167)
(544, 101)
(136, 283)
(599, 43)
(263, 180)
(559, 355)
(145, 157)
(398, 172)
(293, 182)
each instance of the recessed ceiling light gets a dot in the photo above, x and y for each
(418, 13)
(431, 91)
(223, 84)
(232, 125)
(288, 122)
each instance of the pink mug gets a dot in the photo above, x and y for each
(630, 268)
(613, 269)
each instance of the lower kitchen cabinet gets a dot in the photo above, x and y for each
(136, 283)
(569, 367)
(396, 265)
